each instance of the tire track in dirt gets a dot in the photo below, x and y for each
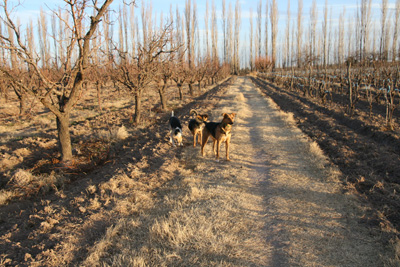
(308, 220)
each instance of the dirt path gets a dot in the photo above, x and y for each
(287, 190)
(278, 202)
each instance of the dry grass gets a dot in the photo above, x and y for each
(197, 220)
(24, 184)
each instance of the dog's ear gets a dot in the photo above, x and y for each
(233, 114)
(224, 115)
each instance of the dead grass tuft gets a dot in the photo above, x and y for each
(113, 134)
(22, 178)
(25, 184)
(6, 196)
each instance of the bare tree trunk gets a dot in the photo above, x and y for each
(138, 106)
(299, 32)
(190, 85)
(325, 36)
(64, 136)
(383, 40)
(251, 40)
(43, 39)
(274, 30)
(179, 85)
(224, 28)
(237, 37)
(161, 92)
(230, 37)
(214, 33)
(287, 38)
(340, 39)
(396, 30)
(266, 30)
(258, 36)
(313, 24)
(351, 96)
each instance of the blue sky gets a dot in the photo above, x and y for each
(30, 9)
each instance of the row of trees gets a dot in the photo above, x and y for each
(81, 46)
(327, 40)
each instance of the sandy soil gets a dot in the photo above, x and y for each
(278, 202)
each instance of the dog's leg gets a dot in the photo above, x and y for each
(194, 138)
(204, 142)
(218, 146)
(199, 136)
(227, 142)
(171, 138)
(215, 146)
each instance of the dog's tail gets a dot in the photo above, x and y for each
(193, 112)
(172, 113)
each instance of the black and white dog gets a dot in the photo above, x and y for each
(175, 130)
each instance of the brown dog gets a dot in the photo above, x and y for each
(196, 125)
(220, 132)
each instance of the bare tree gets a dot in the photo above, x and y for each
(224, 29)
(54, 34)
(136, 74)
(43, 40)
(166, 70)
(251, 40)
(274, 29)
(287, 39)
(313, 36)
(383, 39)
(340, 39)
(325, 36)
(364, 21)
(266, 30)
(206, 31)
(214, 32)
(258, 32)
(236, 61)
(396, 30)
(180, 68)
(137, 71)
(299, 32)
(61, 93)
(350, 36)
(191, 25)
(230, 37)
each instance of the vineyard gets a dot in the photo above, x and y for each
(351, 112)
(375, 84)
